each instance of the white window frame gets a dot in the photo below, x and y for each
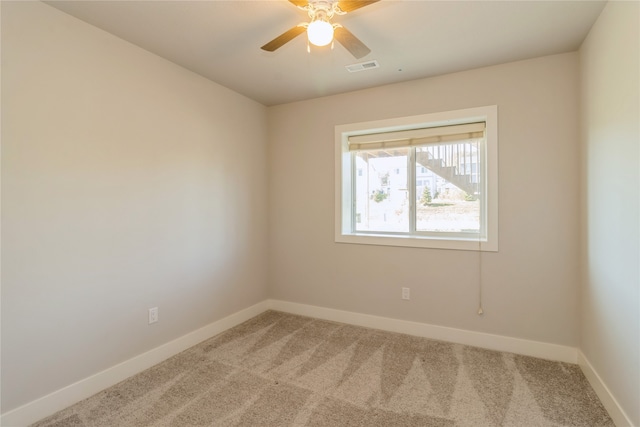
(344, 193)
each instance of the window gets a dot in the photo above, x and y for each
(424, 181)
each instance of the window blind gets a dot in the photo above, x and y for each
(416, 137)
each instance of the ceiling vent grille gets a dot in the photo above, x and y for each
(361, 66)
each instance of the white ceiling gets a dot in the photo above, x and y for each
(221, 40)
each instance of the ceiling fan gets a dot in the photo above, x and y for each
(320, 31)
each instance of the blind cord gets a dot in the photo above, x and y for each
(480, 309)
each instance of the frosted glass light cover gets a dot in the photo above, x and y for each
(320, 33)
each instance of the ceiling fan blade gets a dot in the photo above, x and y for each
(283, 38)
(299, 3)
(349, 5)
(351, 42)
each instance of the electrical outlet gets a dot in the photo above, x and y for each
(153, 315)
(406, 293)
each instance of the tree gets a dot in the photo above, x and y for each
(379, 195)
(426, 196)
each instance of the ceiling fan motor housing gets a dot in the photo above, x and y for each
(324, 8)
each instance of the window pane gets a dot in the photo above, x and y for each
(381, 193)
(448, 187)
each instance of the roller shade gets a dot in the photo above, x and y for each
(416, 137)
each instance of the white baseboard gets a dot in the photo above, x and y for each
(67, 396)
(610, 403)
(460, 336)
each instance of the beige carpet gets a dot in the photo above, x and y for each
(284, 370)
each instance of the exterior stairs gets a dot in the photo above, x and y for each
(456, 163)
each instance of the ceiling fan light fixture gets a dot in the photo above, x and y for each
(320, 32)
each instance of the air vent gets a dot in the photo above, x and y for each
(361, 66)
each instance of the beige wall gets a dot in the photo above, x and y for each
(530, 285)
(127, 182)
(610, 291)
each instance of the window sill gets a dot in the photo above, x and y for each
(446, 243)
